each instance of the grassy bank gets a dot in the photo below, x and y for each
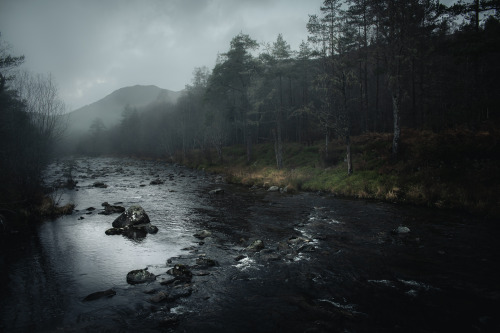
(455, 169)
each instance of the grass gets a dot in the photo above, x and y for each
(457, 169)
(48, 207)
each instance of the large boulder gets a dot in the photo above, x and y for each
(133, 216)
(133, 223)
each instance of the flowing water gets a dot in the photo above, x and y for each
(328, 265)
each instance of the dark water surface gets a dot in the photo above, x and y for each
(329, 265)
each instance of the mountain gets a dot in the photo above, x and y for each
(111, 107)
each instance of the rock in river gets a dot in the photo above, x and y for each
(216, 191)
(157, 181)
(256, 246)
(401, 230)
(114, 231)
(140, 276)
(181, 272)
(110, 209)
(132, 216)
(158, 297)
(203, 234)
(100, 294)
(206, 262)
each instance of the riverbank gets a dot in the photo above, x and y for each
(252, 260)
(456, 169)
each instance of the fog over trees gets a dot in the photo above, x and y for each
(31, 121)
(367, 66)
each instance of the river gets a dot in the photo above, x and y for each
(328, 264)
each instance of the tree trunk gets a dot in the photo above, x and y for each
(326, 142)
(349, 156)
(278, 138)
(249, 146)
(396, 104)
(278, 149)
(377, 87)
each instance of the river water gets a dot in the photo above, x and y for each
(328, 264)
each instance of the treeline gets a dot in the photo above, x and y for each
(367, 66)
(30, 122)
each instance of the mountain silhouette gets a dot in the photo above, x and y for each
(110, 108)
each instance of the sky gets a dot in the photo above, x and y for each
(94, 47)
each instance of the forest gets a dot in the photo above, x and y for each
(31, 124)
(369, 70)
(367, 66)
(370, 74)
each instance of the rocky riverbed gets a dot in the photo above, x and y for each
(232, 259)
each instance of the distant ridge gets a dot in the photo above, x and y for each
(110, 108)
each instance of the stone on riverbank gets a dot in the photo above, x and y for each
(181, 272)
(158, 297)
(140, 276)
(273, 189)
(206, 262)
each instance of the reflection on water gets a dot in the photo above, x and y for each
(72, 257)
(328, 265)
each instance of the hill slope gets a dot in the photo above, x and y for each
(110, 108)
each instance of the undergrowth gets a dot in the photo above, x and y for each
(457, 169)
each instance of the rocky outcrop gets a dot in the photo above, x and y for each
(140, 276)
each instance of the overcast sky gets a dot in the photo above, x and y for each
(93, 47)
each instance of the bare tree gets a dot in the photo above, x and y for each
(40, 94)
